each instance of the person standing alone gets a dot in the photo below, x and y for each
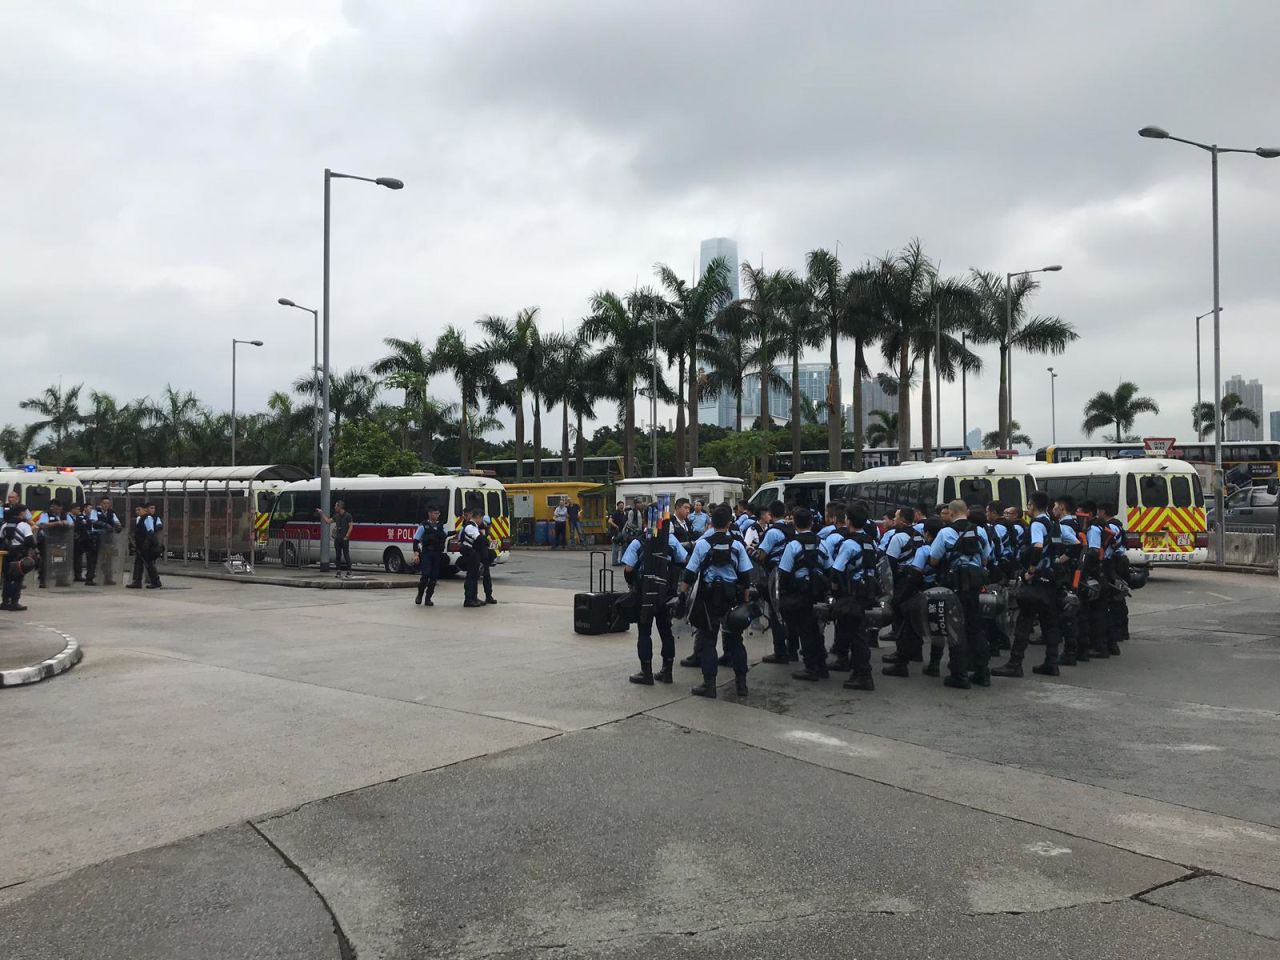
(342, 523)
(561, 517)
(428, 543)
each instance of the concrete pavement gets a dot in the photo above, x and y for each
(393, 781)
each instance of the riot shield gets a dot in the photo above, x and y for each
(110, 561)
(55, 559)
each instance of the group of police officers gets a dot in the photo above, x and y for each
(971, 580)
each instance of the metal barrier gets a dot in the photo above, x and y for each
(299, 548)
(1250, 546)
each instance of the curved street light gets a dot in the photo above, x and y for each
(235, 343)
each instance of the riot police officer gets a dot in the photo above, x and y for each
(652, 565)
(473, 547)
(19, 542)
(146, 547)
(79, 518)
(1075, 645)
(1038, 597)
(1114, 566)
(912, 576)
(428, 543)
(853, 575)
(1092, 625)
(720, 567)
(55, 518)
(962, 551)
(102, 522)
(777, 534)
(802, 583)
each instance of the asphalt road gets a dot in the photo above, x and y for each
(250, 771)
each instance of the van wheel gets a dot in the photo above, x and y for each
(289, 554)
(393, 560)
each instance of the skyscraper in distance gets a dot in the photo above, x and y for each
(1250, 394)
(1275, 425)
(720, 410)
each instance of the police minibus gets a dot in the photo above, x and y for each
(976, 480)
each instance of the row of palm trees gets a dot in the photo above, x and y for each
(714, 343)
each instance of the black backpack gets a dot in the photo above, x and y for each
(969, 543)
(809, 562)
(721, 555)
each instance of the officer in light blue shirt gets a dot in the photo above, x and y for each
(802, 572)
(833, 534)
(965, 549)
(699, 520)
(719, 565)
(768, 552)
(651, 568)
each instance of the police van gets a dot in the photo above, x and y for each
(813, 489)
(976, 480)
(385, 511)
(1158, 501)
(36, 486)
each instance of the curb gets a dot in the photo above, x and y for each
(59, 663)
(313, 583)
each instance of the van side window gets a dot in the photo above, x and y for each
(1010, 492)
(976, 492)
(1155, 492)
(1181, 488)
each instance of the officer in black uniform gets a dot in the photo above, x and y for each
(19, 541)
(653, 565)
(804, 582)
(719, 565)
(473, 547)
(777, 534)
(428, 543)
(78, 516)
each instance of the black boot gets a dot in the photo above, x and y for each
(645, 676)
(1046, 669)
(958, 683)
(1009, 669)
(807, 675)
(741, 684)
(664, 675)
(422, 588)
(1113, 648)
(934, 668)
(898, 669)
(431, 591)
(775, 658)
(981, 678)
(708, 688)
(856, 682)
(693, 660)
(840, 664)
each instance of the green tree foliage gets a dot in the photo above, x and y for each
(1118, 409)
(372, 449)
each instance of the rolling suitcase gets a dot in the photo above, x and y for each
(604, 609)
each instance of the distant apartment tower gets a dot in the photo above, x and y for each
(874, 397)
(1275, 425)
(1250, 394)
(973, 439)
(720, 410)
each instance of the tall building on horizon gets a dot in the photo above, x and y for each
(721, 410)
(1250, 394)
(973, 439)
(1275, 425)
(726, 247)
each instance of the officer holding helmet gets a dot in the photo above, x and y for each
(720, 567)
(651, 564)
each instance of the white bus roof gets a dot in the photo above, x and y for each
(416, 482)
(820, 476)
(699, 478)
(970, 467)
(1102, 466)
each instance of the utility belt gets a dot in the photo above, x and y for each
(964, 578)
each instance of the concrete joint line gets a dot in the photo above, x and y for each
(345, 950)
(60, 662)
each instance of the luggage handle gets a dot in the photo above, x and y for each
(591, 575)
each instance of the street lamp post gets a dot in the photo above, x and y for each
(315, 395)
(964, 398)
(325, 473)
(1267, 153)
(235, 343)
(1199, 401)
(1007, 427)
(1053, 406)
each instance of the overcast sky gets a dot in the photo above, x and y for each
(163, 161)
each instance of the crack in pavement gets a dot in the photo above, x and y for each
(345, 950)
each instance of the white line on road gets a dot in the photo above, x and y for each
(1218, 595)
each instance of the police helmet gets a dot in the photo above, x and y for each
(1138, 577)
(738, 620)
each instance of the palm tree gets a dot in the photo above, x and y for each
(765, 303)
(405, 368)
(689, 315)
(726, 353)
(15, 444)
(991, 441)
(573, 376)
(1233, 411)
(624, 325)
(831, 304)
(801, 328)
(173, 417)
(1014, 330)
(472, 370)
(60, 410)
(1120, 408)
(351, 397)
(955, 311)
(519, 343)
(883, 431)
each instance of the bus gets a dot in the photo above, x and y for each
(975, 480)
(1159, 501)
(594, 469)
(1243, 462)
(385, 512)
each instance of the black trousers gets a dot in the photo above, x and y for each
(142, 561)
(803, 623)
(429, 572)
(342, 554)
(851, 638)
(477, 571)
(11, 591)
(644, 636)
(1036, 602)
(78, 551)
